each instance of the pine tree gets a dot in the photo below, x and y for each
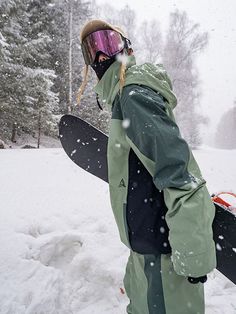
(68, 18)
(4, 57)
(28, 77)
(11, 72)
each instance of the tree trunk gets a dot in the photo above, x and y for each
(39, 129)
(70, 56)
(13, 132)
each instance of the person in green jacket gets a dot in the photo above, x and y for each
(162, 208)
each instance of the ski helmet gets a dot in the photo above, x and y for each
(98, 36)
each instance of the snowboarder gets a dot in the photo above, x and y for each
(160, 201)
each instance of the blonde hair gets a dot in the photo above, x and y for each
(122, 76)
(83, 84)
(85, 81)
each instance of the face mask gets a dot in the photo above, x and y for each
(101, 67)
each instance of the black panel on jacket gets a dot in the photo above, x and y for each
(145, 212)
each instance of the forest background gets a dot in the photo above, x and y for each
(41, 68)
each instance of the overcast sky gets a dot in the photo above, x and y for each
(217, 64)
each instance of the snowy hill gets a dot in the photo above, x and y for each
(59, 247)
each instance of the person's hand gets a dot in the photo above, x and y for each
(201, 279)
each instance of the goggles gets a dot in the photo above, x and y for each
(106, 41)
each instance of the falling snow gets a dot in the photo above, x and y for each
(125, 123)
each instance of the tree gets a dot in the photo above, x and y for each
(28, 78)
(68, 18)
(226, 130)
(184, 42)
(4, 54)
(125, 18)
(3, 45)
(12, 71)
(150, 42)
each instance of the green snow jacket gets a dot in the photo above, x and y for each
(158, 196)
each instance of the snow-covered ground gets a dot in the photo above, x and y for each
(26, 139)
(59, 247)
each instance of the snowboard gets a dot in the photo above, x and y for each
(86, 146)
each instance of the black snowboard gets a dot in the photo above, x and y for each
(87, 147)
(224, 230)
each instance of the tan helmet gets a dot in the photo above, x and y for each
(97, 25)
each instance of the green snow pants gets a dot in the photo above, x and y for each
(153, 287)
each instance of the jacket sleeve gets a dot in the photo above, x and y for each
(156, 140)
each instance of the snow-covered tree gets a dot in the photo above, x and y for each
(226, 130)
(150, 42)
(28, 78)
(4, 56)
(42, 37)
(184, 42)
(125, 18)
(10, 29)
(68, 18)
(3, 45)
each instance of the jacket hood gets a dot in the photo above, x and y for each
(147, 74)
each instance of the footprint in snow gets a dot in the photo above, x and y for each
(55, 249)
